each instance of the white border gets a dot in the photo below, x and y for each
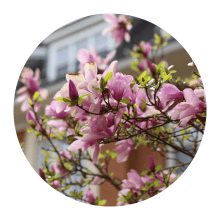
(25, 24)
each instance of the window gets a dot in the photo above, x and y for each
(83, 44)
(101, 43)
(62, 62)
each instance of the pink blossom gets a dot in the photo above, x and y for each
(31, 117)
(32, 84)
(56, 184)
(57, 168)
(100, 127)
(169, 93)
(97, 180)
(143, 65)
(144, 48)
(85, 56)
(89, 196)
(134, 181)
(80, 85)
(120, 28)
(185, 111)
(123, 149)
(66, 154)
(53, 109)
(42, 174)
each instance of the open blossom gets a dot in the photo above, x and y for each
(32, 83)
(100, 127)
(80, 85)
(89, 196)
(84, 56)
(143, 48)
(31, 118)
(168, 94)
(185, 111)
(123, 149)
(54, 111)
(120, 28)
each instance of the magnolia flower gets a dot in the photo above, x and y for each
(185, 111)
(97, 180)
(89, 196)
(100, 127)
(169, 93)
(120, 28)
(143, 48)
(56, 184)
(31, 119)
(123, 149)
(134, 181)
(32, 84)
(84, 56)
(80, 85)
(66, 154)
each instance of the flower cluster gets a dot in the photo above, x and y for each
(84, 56)
(137, 188)
(32, 83)
(101, 105)
(120, 28)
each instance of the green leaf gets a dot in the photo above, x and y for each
(31, 123)
(30, 101)
(136, 105)
(36, 96)
(102, 156)
(98, 89)
(37, 133)
(84, 95)
(173, 170)
(113, 155)
(143, 106)
(80, 100)
(144, 188)
(142, 76)
(29, 130)
(108, 77)
(72, 194)
(103, 82)
(61, 99)
(135, 55)
(159, 167)
(144, 173)
(79, 195)
(125, 100)
(146, 197)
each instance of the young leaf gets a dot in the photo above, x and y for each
(36, 96)
(125, 100)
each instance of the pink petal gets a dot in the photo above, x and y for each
(111, 18)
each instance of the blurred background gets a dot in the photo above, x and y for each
(57, 55)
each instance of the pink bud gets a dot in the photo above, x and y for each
(73, 93)
(151, 163)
